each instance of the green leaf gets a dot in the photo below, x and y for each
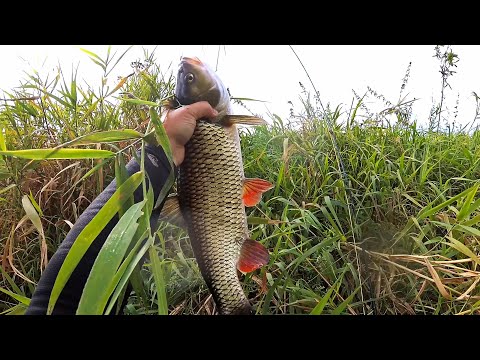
(33, 215)
(35, 204)
(41, 154)
(472, 221)
(92, 57)
(139, 102)
(411, 199)
(463, 249)
(127, 268)
(163, 141)
(3, 146)
(99, 286)
(324, 243)
(73, 92)
(138, 287)
(345, 303)
(10, 281)
(271, 291)
(121, 175)
(105, 137)
(468, 229)
(89, 234)
(92, 54)
(317, 310)
(64, 103)
(93, 170)
(466, 209)
(119, 58)
(5, 175)
(5, 189)
(159, 281)
(18, 309)
(427, 211)
(20, 298)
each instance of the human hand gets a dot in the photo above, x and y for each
(180, 123)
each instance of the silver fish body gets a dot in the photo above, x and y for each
(211, 191)
(210, 197)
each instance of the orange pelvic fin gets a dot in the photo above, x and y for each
(253, 256)
(253, 190)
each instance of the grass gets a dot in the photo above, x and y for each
(410, 243)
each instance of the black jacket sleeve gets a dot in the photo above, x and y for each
(158, 169)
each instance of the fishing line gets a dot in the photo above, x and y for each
(343, 172)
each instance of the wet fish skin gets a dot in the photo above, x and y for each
(211, 189)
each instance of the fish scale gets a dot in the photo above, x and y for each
(210, 194)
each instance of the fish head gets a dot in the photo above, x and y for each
(196, 81)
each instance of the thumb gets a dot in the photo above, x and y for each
(198, 110)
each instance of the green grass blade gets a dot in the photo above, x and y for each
(468, 229)
(160, 133)
(341, 308)
(466, 208)
(18, 309)
(317, 310)
(24, 300)
(90, 232)
(35, 204)
(121, 175)
(127, 268)
(472, 221)
(5, 189)
(105, 137)
(159, 281)
(33, 215)
(94, 169)
(119, 58)
(91, 54)
(463, 249)
(64, 103)
(163, 141)
(42, 154)
(427, 211)
(139, 102)
(3, 146)
(11, 282)
(98, 287)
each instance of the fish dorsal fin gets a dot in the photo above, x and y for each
(253, 256)
(242, 120)
(171, 212)
(253, 190)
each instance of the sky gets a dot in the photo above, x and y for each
(272, 72)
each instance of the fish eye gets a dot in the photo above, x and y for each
(189, 77)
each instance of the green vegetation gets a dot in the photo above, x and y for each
(394, 232)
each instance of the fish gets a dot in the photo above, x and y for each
(212, 191)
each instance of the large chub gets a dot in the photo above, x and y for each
(213, 192)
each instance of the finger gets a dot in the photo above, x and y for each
(198, 110)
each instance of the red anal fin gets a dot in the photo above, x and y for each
(253, 256)
(253, 190)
